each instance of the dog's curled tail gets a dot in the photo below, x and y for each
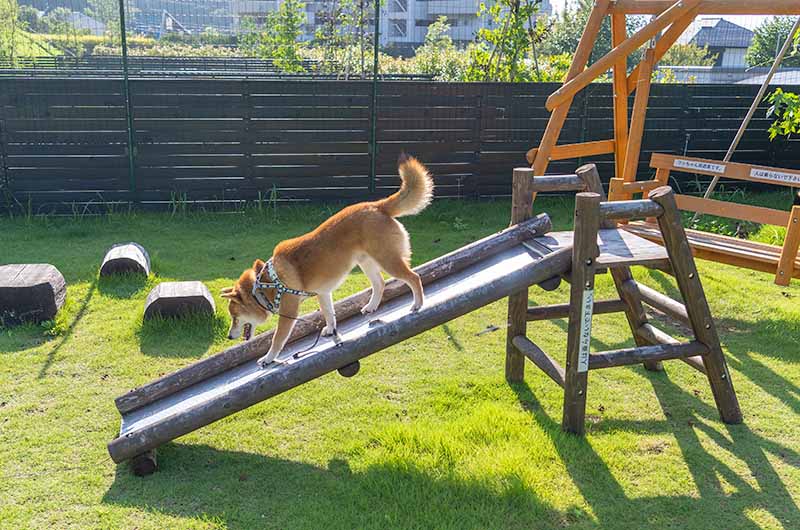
(414, 194)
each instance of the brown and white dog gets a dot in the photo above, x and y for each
(365, 234)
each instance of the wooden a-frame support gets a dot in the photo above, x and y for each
(672, 17)
(703, 352)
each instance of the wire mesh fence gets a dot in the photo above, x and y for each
(224, 101)
(443, 40)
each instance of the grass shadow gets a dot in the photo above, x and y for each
(244, 490)
(122, 286)
(67, 333)
(451, 337)
(745, 341)
(188, 336)
(603, 492)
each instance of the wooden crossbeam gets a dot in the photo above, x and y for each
(551, 312)
(656, 300)
(653, 335)
(732, 210)
(626, 210)
(663, 45)
(619, 186)
(556, 183)
(711, 7)
(570, 88)
(567, 151)
(538, 357)
(659, 352)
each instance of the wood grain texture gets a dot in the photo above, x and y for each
(178, 299)
(539, 358)
(584, 253)
(131, 258)
(642, 354)
(31, 292)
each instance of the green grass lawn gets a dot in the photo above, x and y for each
(428, 435)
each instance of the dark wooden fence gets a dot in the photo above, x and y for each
(64, 142)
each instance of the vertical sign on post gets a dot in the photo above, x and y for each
(587, 306)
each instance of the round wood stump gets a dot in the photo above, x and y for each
(551, 284)
(126, 258)
(30, 293)
(177, 299)
(144, 464)
(349, 370)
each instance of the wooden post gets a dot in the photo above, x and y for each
(790, 246)
(579, 328)
(634, 310)
(521, 206)
(559, 116)
(685, 271)
(634, 146)
(619, 33)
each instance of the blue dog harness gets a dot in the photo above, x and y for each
(274, 283)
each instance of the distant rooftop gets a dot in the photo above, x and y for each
(721, 33)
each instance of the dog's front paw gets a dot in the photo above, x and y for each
(416, 307)
(327, 331)
(265, 360)
(369, 308)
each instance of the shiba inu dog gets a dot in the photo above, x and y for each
(315, 264)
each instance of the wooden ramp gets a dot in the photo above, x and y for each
(516, 264)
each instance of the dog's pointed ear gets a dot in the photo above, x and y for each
(258, 265)
(229, 293)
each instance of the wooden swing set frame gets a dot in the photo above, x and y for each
(671, 18)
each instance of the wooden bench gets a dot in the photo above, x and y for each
(782, 261)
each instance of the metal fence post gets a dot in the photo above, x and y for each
(374, 110)
(128, 104)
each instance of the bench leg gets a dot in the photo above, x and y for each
(789, 252)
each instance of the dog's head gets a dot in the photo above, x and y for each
(246, 313)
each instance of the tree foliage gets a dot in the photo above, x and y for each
(11, 30)
(504, 43)
(688, 55)
(767, 41)
(786, 111)
(565, 32)
(107, 12)
(279, 37)
(438, 56)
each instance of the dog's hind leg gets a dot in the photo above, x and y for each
(397, 267)
(326, 306)
(373, 272)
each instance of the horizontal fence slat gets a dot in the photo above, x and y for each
(221, 141)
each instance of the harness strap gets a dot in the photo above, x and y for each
(275, 283)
